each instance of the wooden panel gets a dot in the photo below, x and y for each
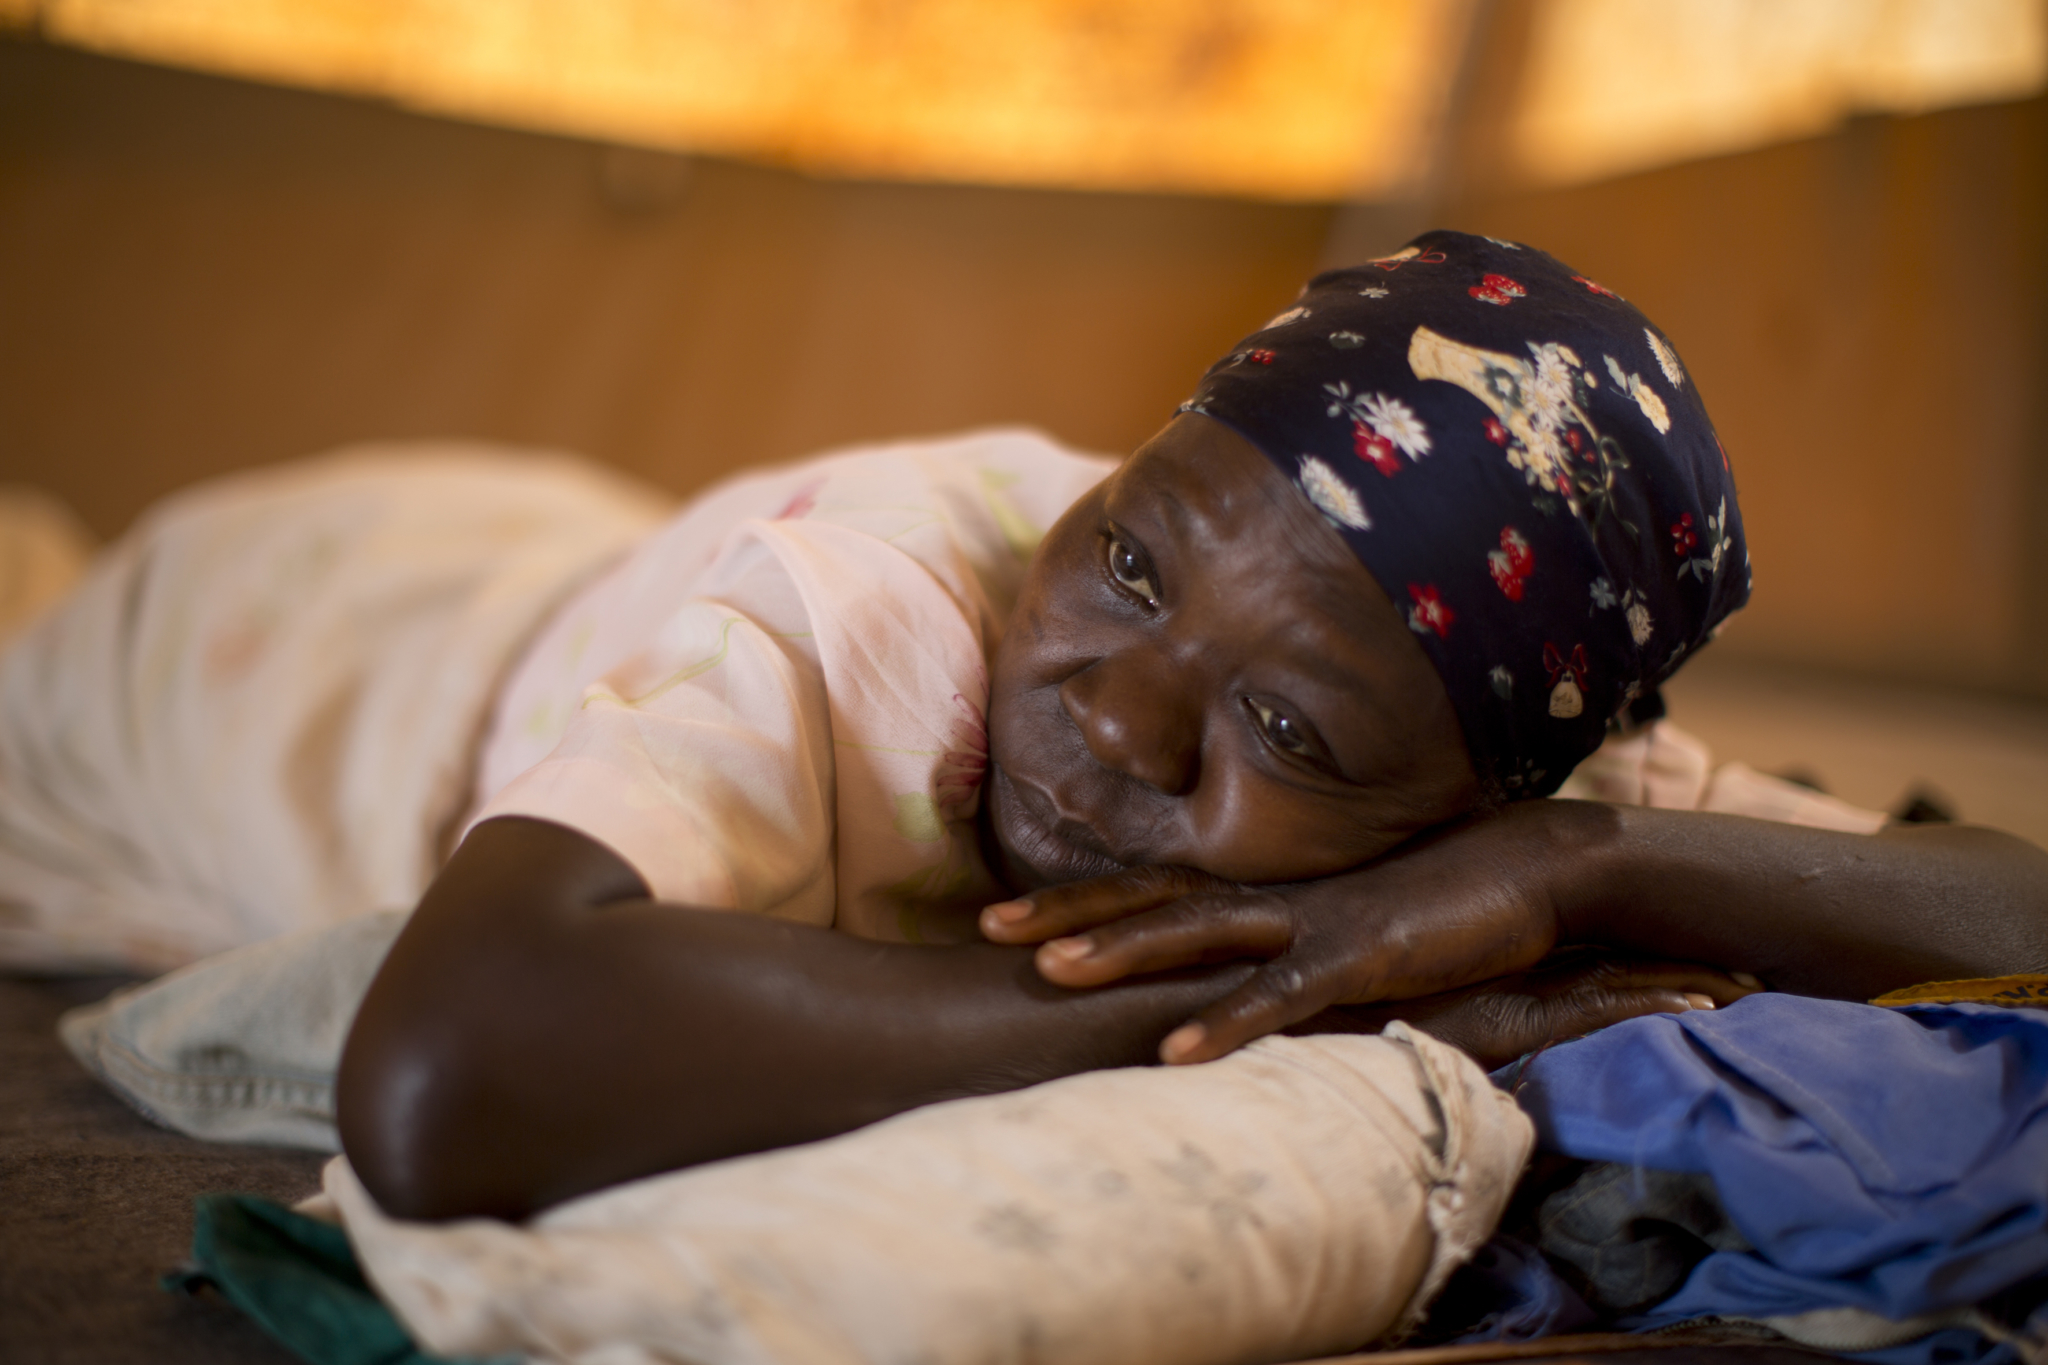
(1864, 315)
(198, 275)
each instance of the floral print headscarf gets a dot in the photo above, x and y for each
(1523, 464)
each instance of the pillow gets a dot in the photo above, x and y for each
(1301, 1197)
(241, 1046)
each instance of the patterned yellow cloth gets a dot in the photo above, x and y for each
(2013, 992)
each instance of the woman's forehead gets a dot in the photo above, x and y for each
(1203, 481)
(1215, 513)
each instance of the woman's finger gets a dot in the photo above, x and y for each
(1586, 1012)
(1053, 911)
(1207, 927)
(1494, 1027)
(1283, 992)
(1709, 987)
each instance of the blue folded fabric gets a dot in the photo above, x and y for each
(1892, 1160)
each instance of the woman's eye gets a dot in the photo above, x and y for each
(1282, 731)
(1128, 568)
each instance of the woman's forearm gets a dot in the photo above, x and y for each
(1814, 911)
(542, 1029)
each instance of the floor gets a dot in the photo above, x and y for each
(1874, 743)
(96, 1204)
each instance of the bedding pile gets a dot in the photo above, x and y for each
(260, 708)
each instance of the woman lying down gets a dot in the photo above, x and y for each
(1017, 765)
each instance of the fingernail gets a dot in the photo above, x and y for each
(1745, 979)
(1009, 912)
(1698, 1001)
(1070, 949)
(1181, 1042)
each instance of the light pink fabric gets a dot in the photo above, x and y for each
(775, 704)
(258, 711)
(1665, 767)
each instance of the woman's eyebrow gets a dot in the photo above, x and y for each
(1166, 505)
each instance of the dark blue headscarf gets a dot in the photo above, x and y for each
(1520, 459)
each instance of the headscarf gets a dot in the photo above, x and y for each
(1519, 458)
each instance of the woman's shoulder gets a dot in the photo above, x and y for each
(1008, 472)
(970, 508)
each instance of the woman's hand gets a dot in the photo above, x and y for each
(1812, 911)
(1571, 993)
(1458, 906)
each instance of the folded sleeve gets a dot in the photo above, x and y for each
(704, 760)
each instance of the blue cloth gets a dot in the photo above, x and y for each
(1893, 1160)
(1523, 464)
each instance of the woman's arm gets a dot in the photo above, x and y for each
(1812, 911)
(1849, 916)
(542, 1028)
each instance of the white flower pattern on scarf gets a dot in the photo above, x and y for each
(1667, 359)
(1332, 496)
(1646, 397)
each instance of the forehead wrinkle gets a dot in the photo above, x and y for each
(1307, 532)
(1337, 656)
(1162, 497)
(1325, 571)
(1198, 497)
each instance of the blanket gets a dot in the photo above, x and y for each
(259, 709)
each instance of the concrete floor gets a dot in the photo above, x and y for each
(1870, 743)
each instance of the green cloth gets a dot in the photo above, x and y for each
(298, 1278)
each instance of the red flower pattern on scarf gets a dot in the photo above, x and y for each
(1683, 537)
(1511, 564)
(1372, 446)
(1429, 615)
(801, 503)
(1497, 289)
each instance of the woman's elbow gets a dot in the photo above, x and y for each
(407, 1115)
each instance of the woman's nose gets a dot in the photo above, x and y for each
(1132, 710)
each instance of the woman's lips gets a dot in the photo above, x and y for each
(1034, 839)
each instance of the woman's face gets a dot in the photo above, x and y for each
(1200, 672)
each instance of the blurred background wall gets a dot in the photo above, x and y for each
(201, 273)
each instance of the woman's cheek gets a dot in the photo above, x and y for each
(1257, 832)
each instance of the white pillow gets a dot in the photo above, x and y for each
(241, 1046)
(1301, 1197)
